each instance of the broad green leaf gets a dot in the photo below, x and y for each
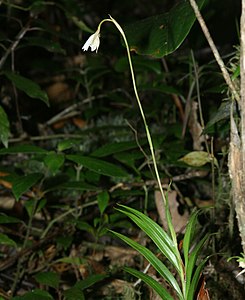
(103, 200)
(223, 113)
(156, 233)
(140, 64)
(98, 166)
(155, 285)
(4, 127)
(112, 148)
(162, 34)
(49, 45)
(5, 240)
(4, 219)
(35, 294)
(29, 149)
(196, 158)
(82, 225)
(28, 86)
(78, 185)
(166, 89)
(24, 183)
(154, 261)
(89, 281)
(48, 278)
(74, 293)
(54, 161)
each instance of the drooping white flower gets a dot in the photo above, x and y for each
(93, 42)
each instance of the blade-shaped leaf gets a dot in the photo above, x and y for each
(23, 149)
(89, 281)
(156, 233)
(194, 282)
(154, 261)
(189, 232)
(162, 34)
(114, 148)
(24, 183)
(28, 86)
(103, 200)
(4, 127)
(4, 219)
(98, 165)
(49, 45)
(156, 286)
(5, 240)
(192, 261)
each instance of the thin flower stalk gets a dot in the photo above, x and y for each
(93, 43)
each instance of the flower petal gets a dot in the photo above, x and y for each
(93, 42)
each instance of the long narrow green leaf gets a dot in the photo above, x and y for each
(156, 233)
(191, 291)
(189, 232)
(192, 260)
(156, 286)
(154, 261)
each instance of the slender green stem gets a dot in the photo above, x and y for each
(141, 110)
(169, 220)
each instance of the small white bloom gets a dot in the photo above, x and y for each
(93, 42)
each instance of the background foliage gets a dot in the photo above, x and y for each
(73, 146)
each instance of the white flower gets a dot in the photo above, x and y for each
(93, 42)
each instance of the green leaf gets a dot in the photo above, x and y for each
(98, 166)
(74, 293)
(67, 144)
(162, 34)
(89, 281)
(5, 240)
(189, 233)
(80, 24)
(4, 127)
(35, 294)
(223, 113)
(103, 200)
(154, 261)
(24, 183)
(192, 261)
(140, 64)
(196, 158)
(28, 86)
(49, 45)
(78, 185)
(196, 278)
(54, 161)
(28, 149)
(48, 278)
(112, 148)
(156, 286)
(4, 219)
(156, 233)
